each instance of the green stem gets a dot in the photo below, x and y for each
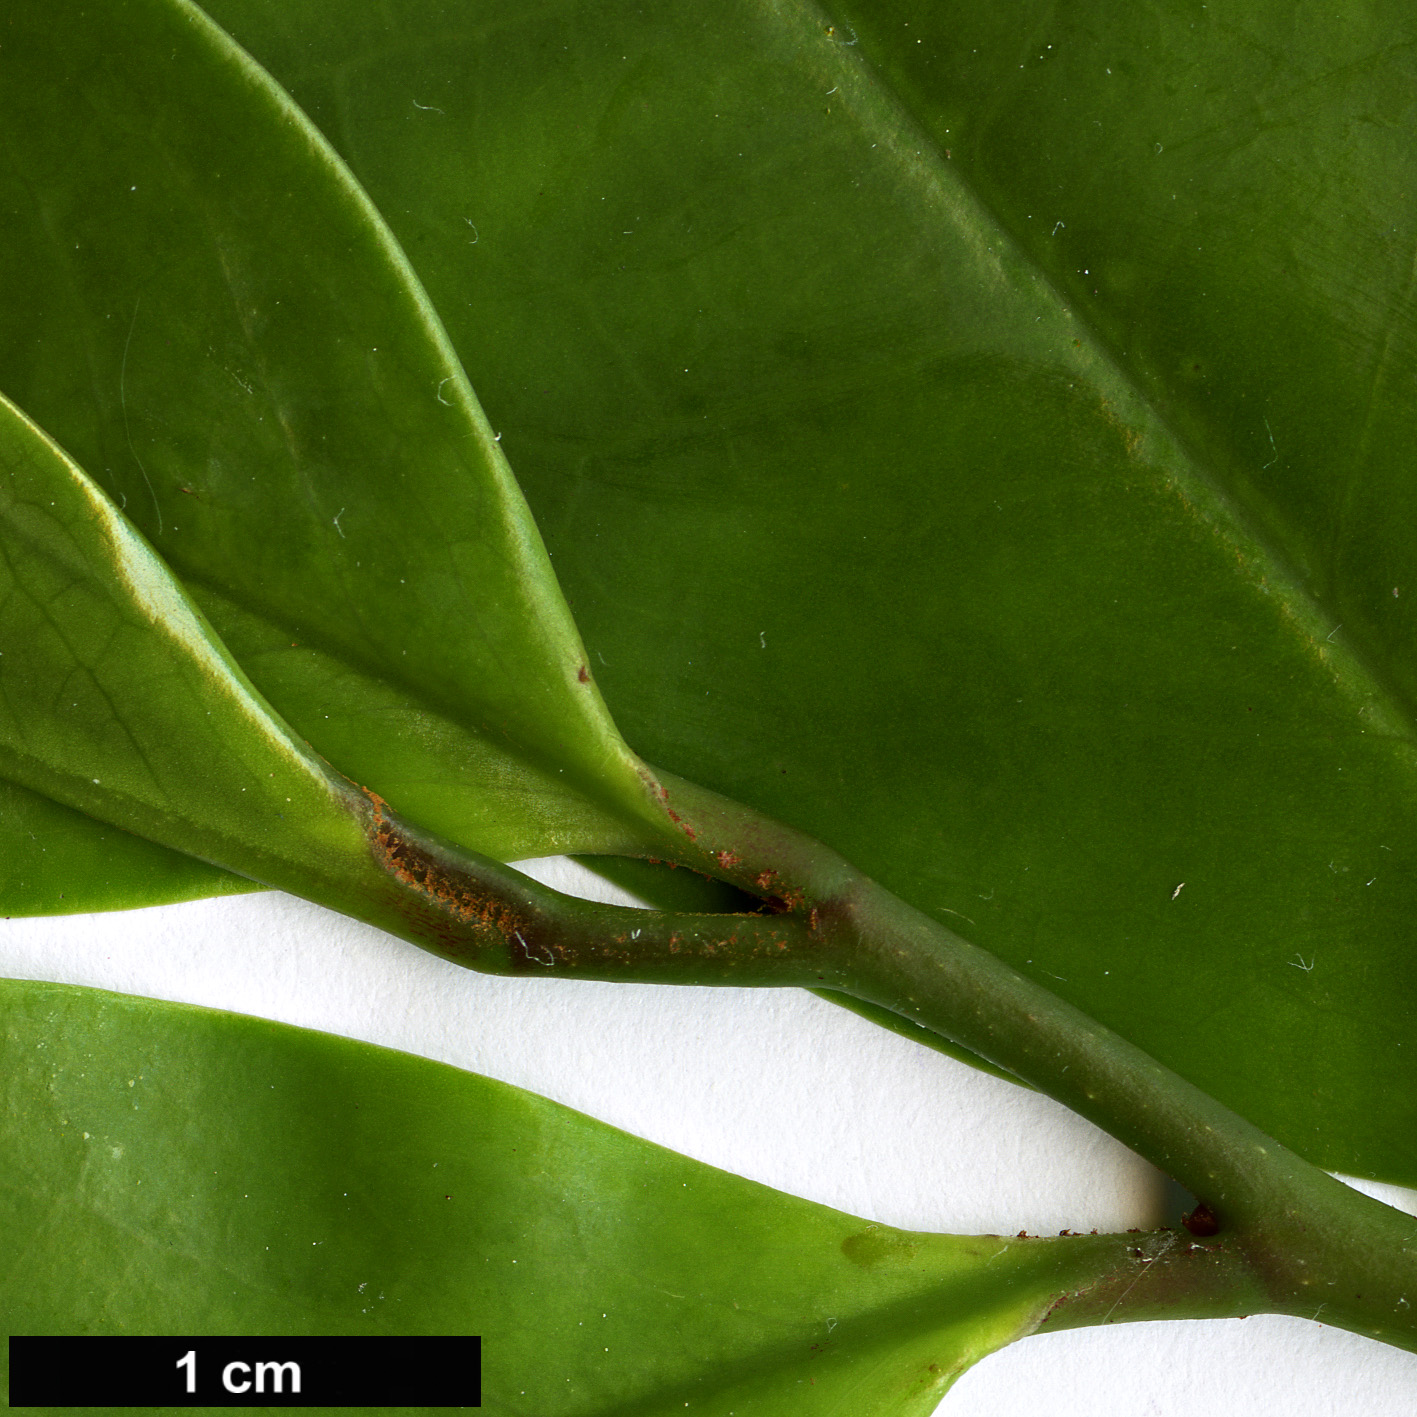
(1321, 1247)
(1164, 1274)
(1291, 1239)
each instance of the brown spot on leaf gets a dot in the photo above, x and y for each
(582, 675)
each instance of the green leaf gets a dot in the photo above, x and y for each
(206, 311)
(173, 1169)
(911, 476)
(57, 861)
(116, 700)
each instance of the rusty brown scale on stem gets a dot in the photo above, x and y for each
(460, 901)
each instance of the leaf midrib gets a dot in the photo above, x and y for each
(1348, 661)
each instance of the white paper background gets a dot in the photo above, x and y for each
(772, 1084)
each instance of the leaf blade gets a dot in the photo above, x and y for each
(210, 294)
(58, 862)
(120, 704)
(297, 1216)
(814, 346)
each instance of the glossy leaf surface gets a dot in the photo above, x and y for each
(207, 313)
(912, 479)
(118, 703)
(58, 861)
(172, 1169)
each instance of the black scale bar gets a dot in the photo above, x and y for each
(245, 1372)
